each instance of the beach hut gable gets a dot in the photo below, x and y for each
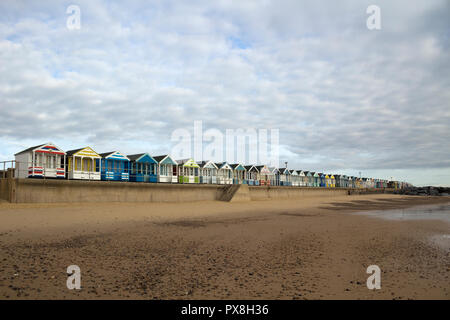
(142, 157)
(251, 168)
(188, 163)
(115, 155)
(264, 170)
(238, 167)
(84, 152)
(44, 148)
(224, 165)
(208, 165)
(165, 159)
(284, 171)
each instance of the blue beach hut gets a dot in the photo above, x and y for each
(239, 173)
(322, 180)
(285, 177)
(115, 166)
(143, 168)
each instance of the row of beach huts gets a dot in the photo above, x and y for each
(49, 161)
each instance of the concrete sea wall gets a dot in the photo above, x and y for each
(267, 193)
(52, 190)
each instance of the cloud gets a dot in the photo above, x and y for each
(342, 96)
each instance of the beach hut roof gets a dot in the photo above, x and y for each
(204, 164)
(43, 146)
(29, 149)
(163, 158)
(134, 157)
(251, 168)
(223, 165)
(293, 172)
(237, 166)
(72, 152)
(263, 169)
(114, 155)
(189, 162)
(139, 156)
(283, 171)
(274, 170)
(86, 151)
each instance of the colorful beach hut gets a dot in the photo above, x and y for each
(224, 173)
(285, 175)
(82, 164)
(301, 178)
(352, 182)
(167, 169)
(143, 168)
(188, 171)
(295, 178)
(252, 175)
(239, 173)
(208, 172)
(41, 161)
(309, 181)
(315, 178)
(322, 180)
(114, 166)
(275, 176)
(265, 175)
(344, 181)
(332, 181)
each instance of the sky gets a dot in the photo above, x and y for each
(344, 98)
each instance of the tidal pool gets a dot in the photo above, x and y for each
(424, 212)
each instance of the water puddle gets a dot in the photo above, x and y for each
(442, 241)
(425, 212)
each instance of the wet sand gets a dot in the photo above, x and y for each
(312, 248)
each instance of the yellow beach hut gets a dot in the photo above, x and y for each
(84, 164)
(332, 181)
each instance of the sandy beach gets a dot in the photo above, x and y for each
(311, 248)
